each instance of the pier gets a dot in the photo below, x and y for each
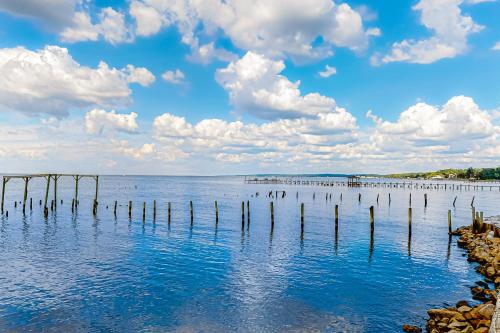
(48, 177)
(353, 181)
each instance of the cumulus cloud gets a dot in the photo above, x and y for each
(328, 71)
(449, 26)
(139, 75)
(97, 120)
(25, 75)
(458, 125)
(256, 86)
(287, 27)
(496, 47)
(111, 27)
(174, 76)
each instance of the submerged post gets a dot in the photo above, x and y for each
(216, 212)
(169, 212)
(191, 210)
(114, 209)
(302, 217)
(143, 211)
(372, 220)
(25, 197)
(4, 181)
(242, 214)
(359, 197)
(96, 187)
(449, 221)
(336, 214)
(248, 213)
(389, 199)
(271, 208)
(410, 200)
(47, 191)
(409, 219)
(154, 210)
(55, 191)
(425, 199)
(130, 209)
(76, 189)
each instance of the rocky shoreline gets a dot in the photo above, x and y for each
(483, 248)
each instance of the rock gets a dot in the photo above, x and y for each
(464, 308)
(481, 330)
(457, 324)
(411, 328)
(462, 303)
(441, 313)
(486, 310)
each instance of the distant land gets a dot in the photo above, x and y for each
(470, 173)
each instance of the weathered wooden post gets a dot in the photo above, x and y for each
(143, 211)
(359, 197)
(96, 187)
(47, 190)
(372, 219)
(154, 211)
(56, 177)
(114, 208)
(454, 201)
(25, 197)
(191, 210)
(302, 217)
(409, 219)
(410, 200)
(72, 205)
(216, 212)
(130, 209)
(336, 214)
(4, 182)
(31, 203)
(340, 197)
(377, 198)
(271, 208)
(472, 202)
(248, 213)
(169, 210)
(77, 177)
(242, 214)
(449, 221)
(425, 199)
(389, 199)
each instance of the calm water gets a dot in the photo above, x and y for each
(77, 273)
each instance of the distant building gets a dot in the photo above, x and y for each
(353, 181)
(452, 175)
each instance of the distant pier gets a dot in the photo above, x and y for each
(374, 183)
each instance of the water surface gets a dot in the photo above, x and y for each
(80, 273)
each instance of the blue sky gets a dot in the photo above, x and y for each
(217, 87)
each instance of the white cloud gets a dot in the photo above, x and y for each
(275, 28)
(111, 27)
(97, 120)
(139, 75)
(496, 47)
(256, 86)
(458, 125)
(174, 77)
(206, 53)
(328, 71)
(474, 2)
(25, 75)
(450, 27)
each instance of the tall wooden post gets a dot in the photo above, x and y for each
(336, 214)
(77, 178)
(248, 213)
(242, 214)
(449, 221)
(169, 210)
(130, 209)
(191, 210)
(425, 199)
(114, 209)
(271, 208)
(4, 182)
(154, 210)
(47, 190)
(143, 211)
(96, 187)
(55, 191)
(410, 199)
(302, 217)
(409, 221)
(216, 212)
(25, 197)
(372, 220)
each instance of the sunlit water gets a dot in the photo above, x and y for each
(79, 273)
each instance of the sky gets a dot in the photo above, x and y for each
(212, 87)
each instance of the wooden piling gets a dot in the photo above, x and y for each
(130, 209)
(248, 213)
(216, 212)
(242, 214)
(454, 200)
(340, 197)
(425, 199)
(191, 210)
(389, 199)
(377, 198)
(336, 214)
(143, 211)
(410, 200)
(169, 210)
(154, 210)
(359, 197)
(449, 221)
(271, 208)
(77, 177)
(4, 182)
(72, 205)
(409, 218)
(31, 203)
(56, 177)
(114, 208)
(472, 202)
(25, 197)
(302, 217)
(47, 190)
(372, 220)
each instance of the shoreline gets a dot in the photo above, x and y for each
(482, 242)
